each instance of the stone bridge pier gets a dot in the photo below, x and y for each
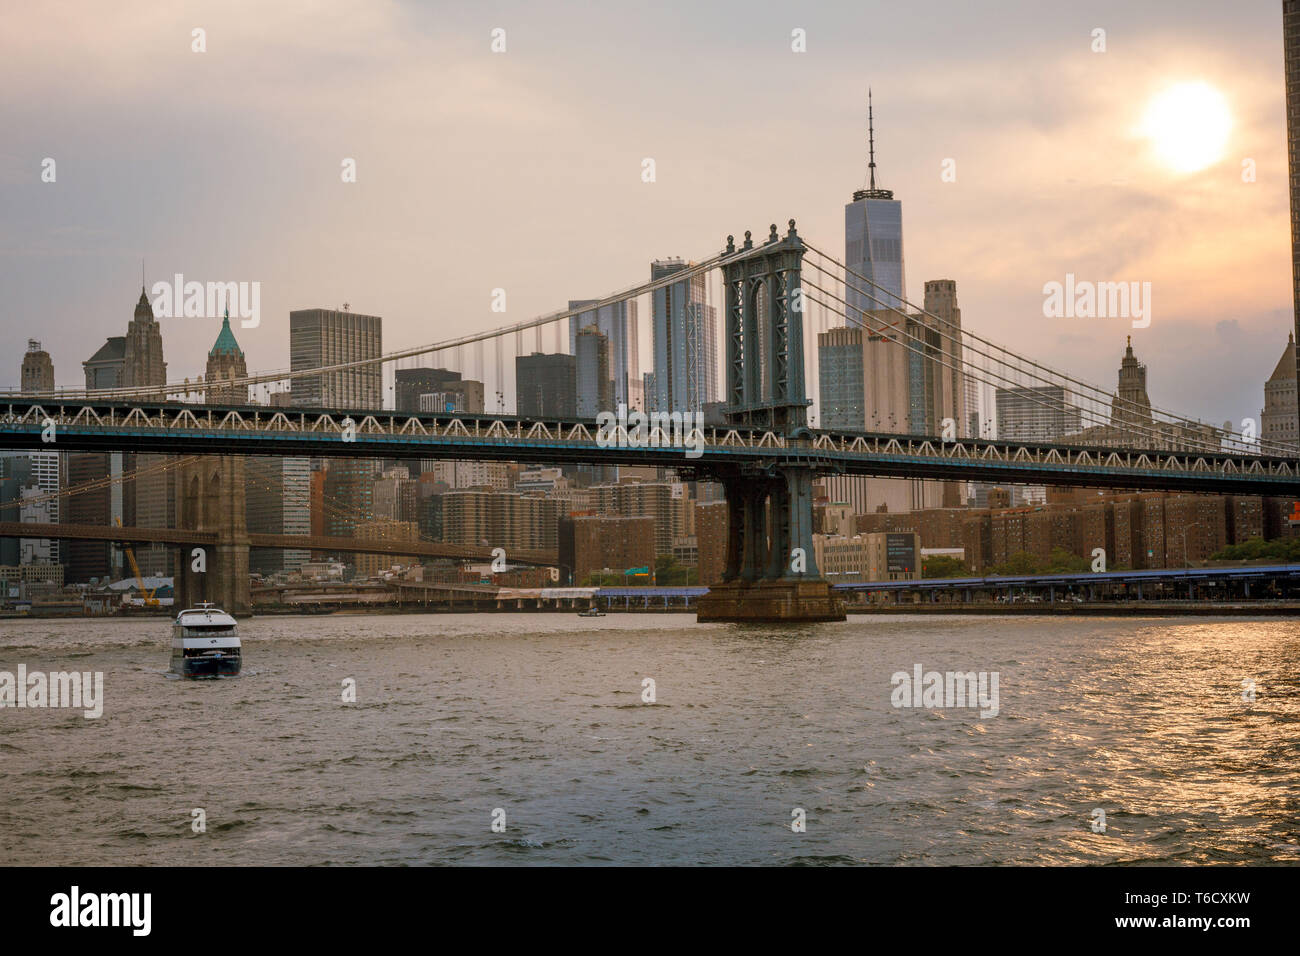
(210, 497)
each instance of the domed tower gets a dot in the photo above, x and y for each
(225, 364)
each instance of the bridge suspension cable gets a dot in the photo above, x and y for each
(107, 481)
(902, 337)
(1032, 394)
(966, 340)
(1054, 377)
(187, 387)
(916, 345)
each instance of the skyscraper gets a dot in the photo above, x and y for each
(277, 500)
(873, 239)
(143, 360)
(1291, 53)
(841, 382)
(1130, 406)
(947, 388)
(319, 338)
(154, 488)
(1131, 423)
(546, 386)
(84, 560)
(349, 495)
(684, 340)
(596, 390)
(864, 379)
(38, 472)
(38, 369)
(104, 368)
(1035, 414)
(33, 475)
(411, 383)
(974, 408)
(1278, 422)
(618, 323)
(868, 375)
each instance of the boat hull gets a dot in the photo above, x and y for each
(202, 668)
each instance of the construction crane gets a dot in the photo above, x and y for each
(146, 596)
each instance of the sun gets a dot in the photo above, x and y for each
(1188, 126)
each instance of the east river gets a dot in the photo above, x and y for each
(763, 745)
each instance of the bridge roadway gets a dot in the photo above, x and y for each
(179, 428)
(328, 544)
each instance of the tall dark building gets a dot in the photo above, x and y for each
(84, 560)
(618, 323)
(466, 395)
(596, 390)
(277, 500)
(1291, 51)
(349, 495)
(10, 493)
(546, 386)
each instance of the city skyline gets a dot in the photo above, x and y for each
(1015, 187)
(681, 435)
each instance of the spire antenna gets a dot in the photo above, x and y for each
(871, 192)
(871, 141)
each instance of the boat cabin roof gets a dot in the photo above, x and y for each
(204, 616)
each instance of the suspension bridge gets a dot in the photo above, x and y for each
(781, 424)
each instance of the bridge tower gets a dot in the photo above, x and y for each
(210, 495)
(771, 570)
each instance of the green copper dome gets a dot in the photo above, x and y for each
(225, 339)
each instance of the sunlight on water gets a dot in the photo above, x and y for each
(543, 717)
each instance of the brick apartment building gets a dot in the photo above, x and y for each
(1137, 530)
(591, 543)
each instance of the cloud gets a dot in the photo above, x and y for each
(521, 170)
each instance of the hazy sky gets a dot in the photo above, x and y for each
(522, 170)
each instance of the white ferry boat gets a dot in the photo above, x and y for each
(205, 643)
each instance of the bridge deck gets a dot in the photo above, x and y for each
(255, 430)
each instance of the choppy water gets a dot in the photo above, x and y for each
(541, 715)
